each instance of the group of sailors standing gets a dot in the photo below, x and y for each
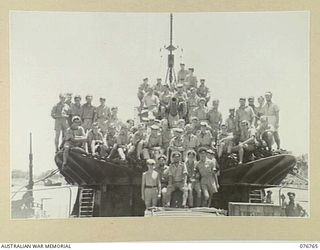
(179, 136)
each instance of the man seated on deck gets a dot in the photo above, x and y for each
(264, 133)
(111, 137)
(191, 141)
(150, 185)
(225, 140)
(94, 138)
(203, 91)
(153, 144)
(121, 144)
(247, 140)
(75, 137)
(176, 143)
(138, 141)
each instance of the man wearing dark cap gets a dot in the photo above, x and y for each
(145, 85)
(231, 122)
(88, 112)
(244, 113)
(163, 169)
(268, 198)
(203, 91)
(191, 80)
(182, 73)
(60, 115)
(142, 90)
(291, 208)
(103, 113)
(177, 178)
(158, 87)
(271, 111)
(207, 169)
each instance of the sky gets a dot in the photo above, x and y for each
(108, 54)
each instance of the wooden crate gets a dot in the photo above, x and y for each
(253, 209)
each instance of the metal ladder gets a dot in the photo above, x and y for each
(256, 196)
(86, 202)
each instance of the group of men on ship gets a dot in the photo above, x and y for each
(179, 136)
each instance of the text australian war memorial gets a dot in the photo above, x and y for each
(180, 152)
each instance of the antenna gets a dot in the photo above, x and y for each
(171, 76)
(30, 186)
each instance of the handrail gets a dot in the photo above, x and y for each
(53, 188)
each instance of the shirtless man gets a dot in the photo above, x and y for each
(151, 185)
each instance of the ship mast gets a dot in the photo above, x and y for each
(171, 76)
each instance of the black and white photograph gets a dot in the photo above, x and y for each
(123, 114)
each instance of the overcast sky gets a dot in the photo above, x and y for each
(108, 54)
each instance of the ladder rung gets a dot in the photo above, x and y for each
(86, 201)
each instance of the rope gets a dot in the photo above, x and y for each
(46, 177)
